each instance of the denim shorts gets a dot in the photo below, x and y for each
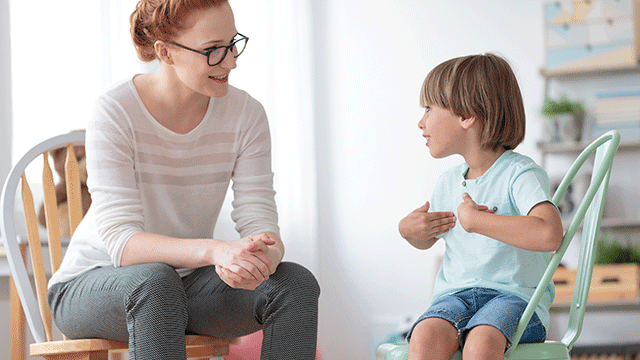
(480, 306)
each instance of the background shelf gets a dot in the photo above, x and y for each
(549, 74)
(577, 147)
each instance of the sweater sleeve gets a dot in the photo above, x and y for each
(254, 197)
(112, 184)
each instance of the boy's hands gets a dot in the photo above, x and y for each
(466, 211)
(421, 227)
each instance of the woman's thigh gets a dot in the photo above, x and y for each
(96, 303)
(216, 309)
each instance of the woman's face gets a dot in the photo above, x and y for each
(205, 28)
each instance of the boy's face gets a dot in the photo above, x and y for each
(442, 129)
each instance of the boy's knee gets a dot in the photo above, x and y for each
(484, 339)
(434, 337)
(435, 330)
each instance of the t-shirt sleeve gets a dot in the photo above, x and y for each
(529, 188)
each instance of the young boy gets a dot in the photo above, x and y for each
(494, 213)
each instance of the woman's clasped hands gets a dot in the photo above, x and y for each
(245, 263)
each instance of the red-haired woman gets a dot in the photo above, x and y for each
(162, 147)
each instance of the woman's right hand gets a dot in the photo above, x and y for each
(244, 263)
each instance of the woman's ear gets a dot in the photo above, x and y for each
(162, 52)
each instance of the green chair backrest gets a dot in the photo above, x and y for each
(590, 210)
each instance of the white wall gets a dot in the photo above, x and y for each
(5, 92)
(371, 58)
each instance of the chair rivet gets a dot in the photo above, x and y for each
(578, 306)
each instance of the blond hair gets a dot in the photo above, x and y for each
(154, 20)
(483, 86)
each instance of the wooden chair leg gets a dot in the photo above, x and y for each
(120, 355)
(18, 328)
(17, 319)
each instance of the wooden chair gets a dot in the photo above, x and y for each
(590, 210)
(38, 313)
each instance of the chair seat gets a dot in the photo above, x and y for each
(75, 346)
(550, 350)
(196, 346)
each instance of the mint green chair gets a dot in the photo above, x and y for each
(590, 210)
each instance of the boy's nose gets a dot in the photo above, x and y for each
(421, 123)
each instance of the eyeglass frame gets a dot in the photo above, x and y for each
(214, 48)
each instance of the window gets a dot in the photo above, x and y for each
(64, 54)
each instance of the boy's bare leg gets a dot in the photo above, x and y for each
(433, 339)
(484, 342)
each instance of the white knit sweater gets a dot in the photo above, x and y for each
(146, 178)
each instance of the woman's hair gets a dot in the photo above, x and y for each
(483, 86)
(154, 20)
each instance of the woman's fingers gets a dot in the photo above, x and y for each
(236, 281)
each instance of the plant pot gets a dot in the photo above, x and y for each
(563, 128)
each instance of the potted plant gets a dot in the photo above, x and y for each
(563, 119)
(612, 252)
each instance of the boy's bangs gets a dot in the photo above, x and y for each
(435, 90)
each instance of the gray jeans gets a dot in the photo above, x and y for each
(152, 308)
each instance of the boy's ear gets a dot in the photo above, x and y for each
(468, 122)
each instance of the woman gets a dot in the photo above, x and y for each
(161, 149)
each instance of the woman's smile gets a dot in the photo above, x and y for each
(223, 79)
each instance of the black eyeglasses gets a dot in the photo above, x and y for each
(216, 54)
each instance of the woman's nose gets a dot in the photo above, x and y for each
(229, 61)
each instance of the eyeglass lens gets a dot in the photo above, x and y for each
(237, 47)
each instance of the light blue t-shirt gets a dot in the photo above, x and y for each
(513, 185)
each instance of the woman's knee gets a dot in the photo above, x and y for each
(297, 278)
(158, 284)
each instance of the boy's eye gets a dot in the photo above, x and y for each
(427, 108)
